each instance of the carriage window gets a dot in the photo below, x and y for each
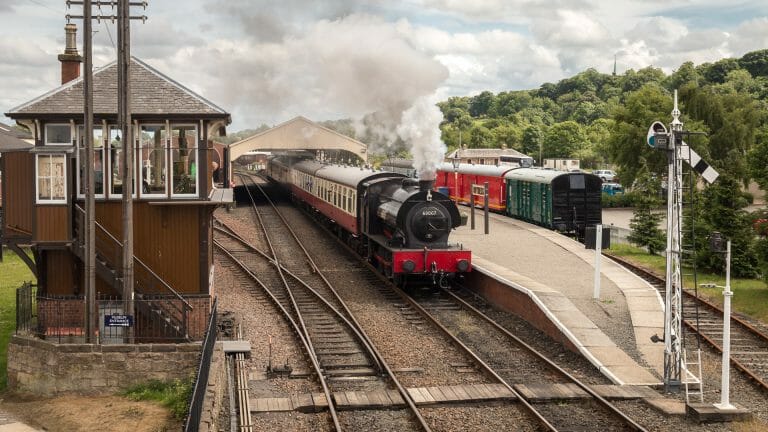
(577, 181)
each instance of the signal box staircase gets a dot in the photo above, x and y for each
(160, 312)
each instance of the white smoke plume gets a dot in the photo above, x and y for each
(354, 66)
(420, 128)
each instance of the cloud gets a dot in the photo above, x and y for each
(487, 60)
(749, 36)
(347, 67)
(506, 11)
(8, 5)
(269, 21)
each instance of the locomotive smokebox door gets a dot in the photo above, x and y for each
(590, 238)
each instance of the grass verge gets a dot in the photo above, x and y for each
(13, 272)
(750, 296)
(173, 395)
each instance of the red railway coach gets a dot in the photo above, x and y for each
(402, 227)
(459, 183)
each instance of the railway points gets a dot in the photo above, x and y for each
(556, 277)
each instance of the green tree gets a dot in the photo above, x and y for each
(645, 223)
(480, 104)
(532, 140)
(717, 71)
(480, 137)
(732, 118)
(627, 145)
(633, 81)
(507, 135)
(757, 159)
(721, 210)
(563, 140)
(756, 62)
(685, 74)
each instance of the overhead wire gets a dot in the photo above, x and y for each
(109, 33)
(43, 5)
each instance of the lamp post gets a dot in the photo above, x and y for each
(456, 161)
(716, 243)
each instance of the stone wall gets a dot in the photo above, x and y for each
(45, 368)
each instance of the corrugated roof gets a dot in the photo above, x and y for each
(151, 91)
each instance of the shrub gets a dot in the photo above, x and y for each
(173, 395)
(623, 200)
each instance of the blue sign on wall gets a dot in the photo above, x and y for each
(118, 320)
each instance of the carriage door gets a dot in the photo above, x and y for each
(578, 199)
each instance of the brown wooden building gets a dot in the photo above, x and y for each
(174, 198)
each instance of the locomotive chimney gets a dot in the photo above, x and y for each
(426, 185)
(426, 180)
(71, 59)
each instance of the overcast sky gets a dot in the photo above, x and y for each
(268, 61)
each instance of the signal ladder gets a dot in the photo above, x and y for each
(692, 379)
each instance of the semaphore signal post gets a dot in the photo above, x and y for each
(677, 151)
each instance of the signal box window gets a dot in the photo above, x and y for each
(98, 161)
(184, 159)
(58, 134)
(51, 179)
(153, 159)
(116, 155)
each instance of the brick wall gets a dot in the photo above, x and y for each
(44, 368)
(60, 312)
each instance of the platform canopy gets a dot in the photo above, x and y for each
(299, 133)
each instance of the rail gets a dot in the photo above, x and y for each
(196, 401)
(528, 348)
(749, 329)
(381, 362)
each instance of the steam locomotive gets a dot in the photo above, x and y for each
(398, 223)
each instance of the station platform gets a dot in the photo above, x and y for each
(555, 274)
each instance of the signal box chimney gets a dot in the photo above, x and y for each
(71, 59)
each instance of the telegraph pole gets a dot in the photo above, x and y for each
(91, 311)
(127, 165)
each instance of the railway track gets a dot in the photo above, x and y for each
(342, 355)
(518, 365)
(749, 345)
(551, 416)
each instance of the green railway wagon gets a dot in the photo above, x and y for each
(567, 202)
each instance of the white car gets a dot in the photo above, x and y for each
(605, 175)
